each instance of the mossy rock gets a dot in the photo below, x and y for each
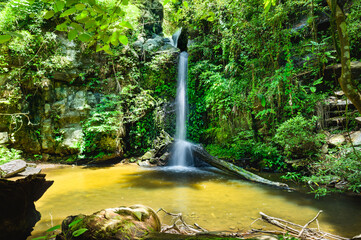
(132, 222)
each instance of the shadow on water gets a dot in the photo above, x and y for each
(172, 177)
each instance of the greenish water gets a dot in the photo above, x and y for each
(212, 200)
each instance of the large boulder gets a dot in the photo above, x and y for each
(132, 222)
(336, 140)
(356, 138)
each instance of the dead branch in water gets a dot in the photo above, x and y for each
(179, 225)
(297, 230)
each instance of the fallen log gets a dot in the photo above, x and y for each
(199, 152)
(299, 231)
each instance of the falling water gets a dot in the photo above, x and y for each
(182, 155)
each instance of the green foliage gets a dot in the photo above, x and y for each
(7, 155)
(297, 137)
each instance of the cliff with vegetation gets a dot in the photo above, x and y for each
(95, 80)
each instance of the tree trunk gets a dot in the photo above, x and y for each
(348, 87)
(203, 155)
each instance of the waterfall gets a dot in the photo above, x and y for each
(175, 37)
(182, 155)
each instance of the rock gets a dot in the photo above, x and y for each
(12, 168)
(337, 140)
(144, 163)
(356, 138)
(358, 120)
(72, 137)
(4, 137)
(148, 155)
(358, 237)
(18, 214)
(30, 171)
(153, 44)
(132, 222)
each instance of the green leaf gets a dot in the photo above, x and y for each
(90, 23)
(138, 215)
(126, 24)
(114, 38)
(49, 14)
(98, 9)
(75, 222)
(106, 49)
(53, 228)
(165, 2)
(84, 37)
(62, 27)
(79, 232)
(80, 6)
(58, 6)
(68, 12)
(313, 89)
(77, 26)
(185, 3)
(72, 34)
(123, 39)
(125, 2)
(40, 238)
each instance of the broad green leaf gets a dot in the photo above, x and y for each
(90, 23)
(165, 2)
(77, 26)
(82, 15)
(125, 2)
(59, 5)
(49, 14)
(75, 222)
(106, 49)
(62, 27)
(98, 9)
(210, 19)
(114, 38)
(123, 39)
(14, 34)
(126, 24)
(80, 6)
(313, 89)
(71, 2)
(185, 3)
(84, 37)
(72, 34)
(68, 12)
(98, 48)
(79, 232)
(54, 228)
(84, 20)
(31, 1)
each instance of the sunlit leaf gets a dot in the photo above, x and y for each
(114, 38)
(58, 6)
(79, 232)
(82, 15)
(123, 39)
(125, 2)
(72, 34)
(126, 24)
(185, 4)
(68, 12)
(53, 228)
(75, 222)
(49, 14)
(138, 215)
(4, 38)
(77, 26)
(165, 2)
(84, 37)
(313, 89)
(80, 6)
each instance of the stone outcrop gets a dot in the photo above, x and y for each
(132, 222)
(18, 214)
(12, 168)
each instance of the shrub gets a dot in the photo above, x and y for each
(298, 138)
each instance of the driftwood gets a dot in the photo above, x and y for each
(296, 230)
(203, 155)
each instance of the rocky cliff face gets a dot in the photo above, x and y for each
(91, 104)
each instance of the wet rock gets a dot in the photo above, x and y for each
(356, 138)
(72, 137)
(144, 163)
(4, 138)
(337, 140)
(12, 168)
(132, 222)
(325, 148)
(358, 237)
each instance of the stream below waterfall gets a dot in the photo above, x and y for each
(214, 201)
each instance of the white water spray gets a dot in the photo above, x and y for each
(182, 155)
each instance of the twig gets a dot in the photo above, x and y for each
(306, 225)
